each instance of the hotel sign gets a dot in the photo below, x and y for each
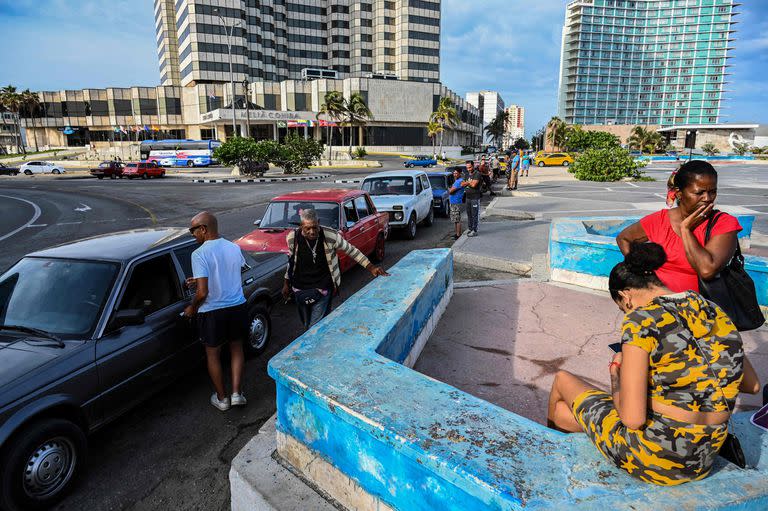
(225, 114)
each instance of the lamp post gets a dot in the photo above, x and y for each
(229, 34)
(246, 86)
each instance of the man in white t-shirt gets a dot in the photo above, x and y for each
(219, 305)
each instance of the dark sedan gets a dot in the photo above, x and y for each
(90, 329)
(5, 170)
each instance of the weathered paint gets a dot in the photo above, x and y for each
(419, 444)
(587, 246)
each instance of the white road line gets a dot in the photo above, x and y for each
(31, 221)
(38, 225)
(69, 223)
(632, 184)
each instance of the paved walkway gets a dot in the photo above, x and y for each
(504, 343)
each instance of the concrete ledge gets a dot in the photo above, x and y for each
(348, 181)
(493, 263)
(313, 177)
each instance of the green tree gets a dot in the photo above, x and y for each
(297, 154)
(333, 110)
(358, 114)
(31, 104)
(741, 148)
(557, 132)
(446, 116)
(521, 144)
(710, 149)
(11, 100)
(580, 140)
(433, 130)
(645, 140)
(247, 154)
(610, 164)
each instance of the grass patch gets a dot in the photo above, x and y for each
(643, 179)
(29, 153)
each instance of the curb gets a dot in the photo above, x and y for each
(264, 179)
(349, 181)
(521, 268)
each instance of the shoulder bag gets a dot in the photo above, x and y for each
(733, 289)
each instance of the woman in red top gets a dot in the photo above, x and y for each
(681, 230)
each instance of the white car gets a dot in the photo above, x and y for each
(40, 167)
(405, 195)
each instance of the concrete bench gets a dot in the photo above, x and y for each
(354, 418)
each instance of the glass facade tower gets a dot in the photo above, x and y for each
(647, 62)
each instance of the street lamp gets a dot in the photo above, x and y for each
(229, 34)
(246, 86)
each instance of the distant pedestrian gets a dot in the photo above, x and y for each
(457, 201)
(219, 305)
(313, 275)
(495, 167)
(473, 191)
(513, 171)
(526, 164)
(485, 175)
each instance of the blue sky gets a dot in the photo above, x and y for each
(512, 46)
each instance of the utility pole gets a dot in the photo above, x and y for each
(229, 34)
(246, 86)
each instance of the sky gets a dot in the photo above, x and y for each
(512, 46)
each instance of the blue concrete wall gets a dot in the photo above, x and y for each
(419, 444)
(588, 246)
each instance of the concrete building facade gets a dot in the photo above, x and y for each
(489, 104)
(647, 62)
(277, 40)
(515, 125)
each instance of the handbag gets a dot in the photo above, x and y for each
(733, 289)
(308, 297)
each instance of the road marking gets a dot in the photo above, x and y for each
(31, 221)
(69, 223)
(38, 225)
(83, 208)
(632, 184)
(608, 189)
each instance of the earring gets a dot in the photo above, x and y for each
(629, 305)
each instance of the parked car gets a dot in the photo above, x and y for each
(5, 170)
(40, 167)
(441, 182)
(110, 169)
(143, 169)
(420, 161)
(351, 212)
(90, 329)
(562, 159)
(405, 195)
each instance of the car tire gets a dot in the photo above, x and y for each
(541, 164)
(446, 209)
(40, 464)
(162, 174)
(27, 172)
(145, 176)
(56, 171)
(259, 330)
(190, 163)
(565, 164)
(410, 229)
(379, 251)
(100, 177)
(430, 217)
(112, 176)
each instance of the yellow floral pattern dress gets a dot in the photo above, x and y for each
(665, 451)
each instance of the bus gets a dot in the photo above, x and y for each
(179, 153)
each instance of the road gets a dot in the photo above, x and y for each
(174, 450)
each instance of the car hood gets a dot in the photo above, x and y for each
(20, 356)
(265, 240)
(385, 202)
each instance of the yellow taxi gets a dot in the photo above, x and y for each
(561, 159)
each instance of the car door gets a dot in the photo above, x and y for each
(133, 361)
(367, 222)
(425, 200)
(352, 232)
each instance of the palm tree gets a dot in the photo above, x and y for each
(333, 109)
(645, 140)
(357, 112)
(446, 116)
(433, 130)
(497, 127)
(710, 149)
(557, 132)
(31, 102)
(11, 100)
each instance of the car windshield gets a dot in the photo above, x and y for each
(395, 185)
(437, 182)
(59, 296)
(131, 165)
(104, 165)
(284, 215)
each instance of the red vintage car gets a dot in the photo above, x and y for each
(144, 170)
(351, 212)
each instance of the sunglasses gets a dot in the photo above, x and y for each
(193, 229)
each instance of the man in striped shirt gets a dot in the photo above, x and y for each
(313, 274)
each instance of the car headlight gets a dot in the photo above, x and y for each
(400, 208)
(398, 215)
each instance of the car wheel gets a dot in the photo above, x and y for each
(162, 174)
(190, 163)
(410, 229)
(145, 176)
(27, 172)
(379, 251)
(259, 330)
(112, 176)
(430, 217)
(41, 464)
(55, 171)
(541, 164)
(100, 177)
(446, 209)
(565, 164)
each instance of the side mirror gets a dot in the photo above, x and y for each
(257, 222)
(350, 224)
(128, 317)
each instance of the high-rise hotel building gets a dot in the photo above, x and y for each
(649, 62)
(276, 40)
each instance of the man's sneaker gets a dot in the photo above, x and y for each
(221, 404)
(238, 400)
(471, 234)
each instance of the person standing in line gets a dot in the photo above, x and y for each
(526, 164)
(485, 175)
(474, 192)
(456, 199)
(313, 275)
(219, 305)
(495, 167)
(514, 171)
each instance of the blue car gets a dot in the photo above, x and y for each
(421, 161)
(441, 182)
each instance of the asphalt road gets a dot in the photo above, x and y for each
(174, 450)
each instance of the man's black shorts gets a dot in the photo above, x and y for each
(220, 326)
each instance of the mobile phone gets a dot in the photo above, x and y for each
(616, 347)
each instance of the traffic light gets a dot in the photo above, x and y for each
(690, 139)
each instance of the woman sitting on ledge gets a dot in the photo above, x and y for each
(666, 416)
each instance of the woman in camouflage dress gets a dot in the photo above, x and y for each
(666, 416)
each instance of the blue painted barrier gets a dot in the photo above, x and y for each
(587, 246)
(684, 158)
(415, 443)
